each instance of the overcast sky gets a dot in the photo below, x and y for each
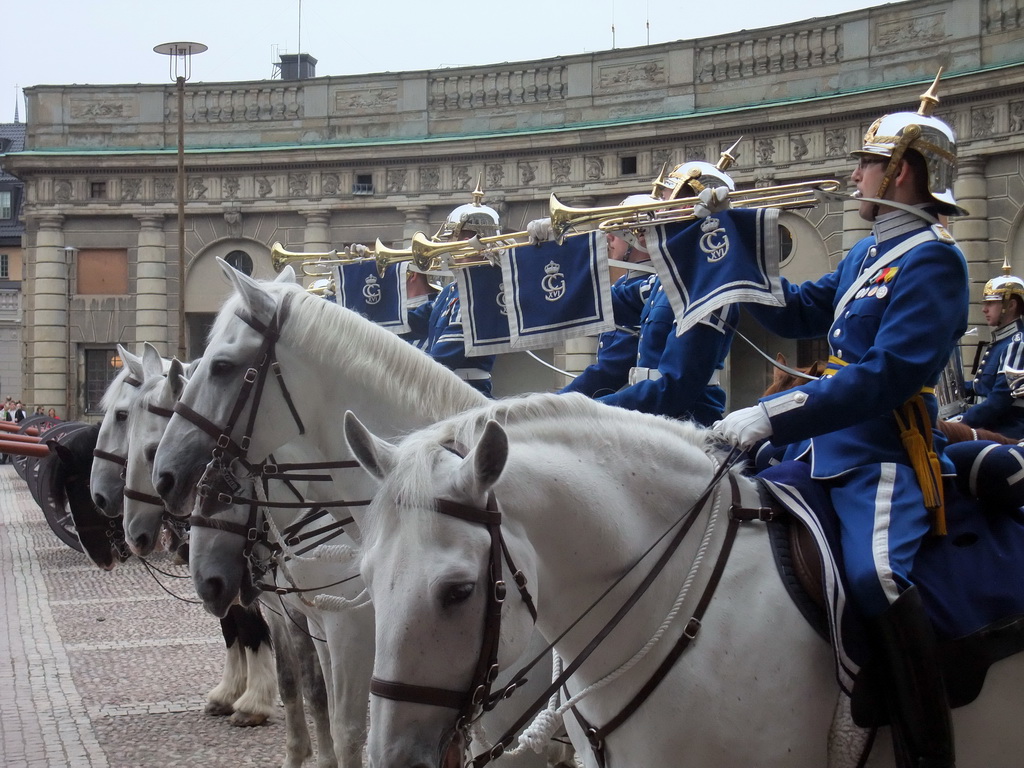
(52, 42)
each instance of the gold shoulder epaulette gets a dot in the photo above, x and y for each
(943, 234)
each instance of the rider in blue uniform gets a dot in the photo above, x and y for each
(893, 310)
(678, 376)
(617, 348)
(996, 407)
(438, 322)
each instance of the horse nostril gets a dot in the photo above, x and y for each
(165, 484)
(100, 500)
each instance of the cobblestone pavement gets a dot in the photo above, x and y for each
(104, 669)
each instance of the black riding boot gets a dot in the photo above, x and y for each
(919, 709)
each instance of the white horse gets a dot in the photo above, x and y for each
(330, 360)
(584, 491)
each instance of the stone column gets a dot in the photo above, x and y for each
(972, 231)
(417, 219)
(50, 349)
(151, 284)
(317, 235)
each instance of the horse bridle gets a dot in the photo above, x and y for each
(477, 698)
(115, 458)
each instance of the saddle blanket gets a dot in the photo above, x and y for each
(969, 579)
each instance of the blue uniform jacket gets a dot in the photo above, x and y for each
(896, 337)
(685, 363)
(617, 348)
(999, 410)
(438, 323)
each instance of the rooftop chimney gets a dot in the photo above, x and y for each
(297, 66)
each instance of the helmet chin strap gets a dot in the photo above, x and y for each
(919, 212)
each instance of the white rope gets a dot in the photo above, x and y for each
(539, 733)
(546, 364)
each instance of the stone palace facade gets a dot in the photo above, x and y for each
(322, 162)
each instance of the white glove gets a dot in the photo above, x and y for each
(744, 427)
(956, 419)
(360, 251)
(1015, 381)
(712, 200)
(539, 231)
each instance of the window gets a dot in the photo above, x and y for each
(98, 190)
(627, 165)
(363, 184)
(5, 266)
(6, 206)
(101, 366)
(241, 261)
(102, 272)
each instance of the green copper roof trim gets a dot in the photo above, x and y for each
(584, 126)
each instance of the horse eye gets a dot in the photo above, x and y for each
(121, 416)
(221, 367)
(456, 594)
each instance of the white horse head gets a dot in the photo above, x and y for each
(107, 475)
(329, 360)
(147, 420)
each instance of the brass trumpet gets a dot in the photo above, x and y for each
(613, 218)
(313, 264)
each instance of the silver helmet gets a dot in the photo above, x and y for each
(1003, 287)
(692, 178)
(890, 136)
(480, 219)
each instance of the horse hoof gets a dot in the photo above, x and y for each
(248, 719)
(218, 709)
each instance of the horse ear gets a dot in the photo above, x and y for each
(259, 303)
(65, 455)
(376, 456)
(175, 378)
(483, 466)
(152, 363)
(287, 275)
(134, 363)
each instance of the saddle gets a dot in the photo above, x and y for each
(968, 580)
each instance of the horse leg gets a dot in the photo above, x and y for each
(350, 638)
(315, 690)
(257, 702)
(219, 700)
(848, 743)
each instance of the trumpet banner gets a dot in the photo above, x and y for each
(730, 257)
(541, 295)
(380, 300)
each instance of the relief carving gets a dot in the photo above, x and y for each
(233, 221)
(983, 122)
(835, 142)
(231, 186)
(131, 189)
(366, 101)
(561, 169)
(661, 157)
(765, 151)
(430, 179)
(594, 168)
(196, 189)
(527, 173)
(298, 184)
(799, 145)
(62, 191)
(263, 186)
(164, 189)
(330, 184)
(460, 177)
(1017, 117)
(91, 109)
(495, 175)
(646, 72)
(696, 152)
(911, 33)
(396, 180)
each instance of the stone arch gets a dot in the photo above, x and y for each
(206, 288)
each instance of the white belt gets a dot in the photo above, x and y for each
(653, 374)
(471, 374)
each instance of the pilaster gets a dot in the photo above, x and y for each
(151, 284)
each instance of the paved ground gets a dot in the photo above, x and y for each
(104, 669)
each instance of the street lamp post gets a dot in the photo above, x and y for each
(180, 70)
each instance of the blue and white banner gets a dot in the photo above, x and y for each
(730, 257)
(484, 322)
(380, 300)
(558, 292)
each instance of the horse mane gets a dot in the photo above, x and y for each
(114, 389)
(547, 417)
(374, 356)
